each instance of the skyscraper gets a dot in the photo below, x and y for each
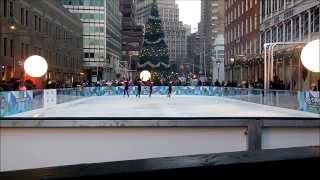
(175, 32)
(132, 37)
(101, 37)
(211, 26)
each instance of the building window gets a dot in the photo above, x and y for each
(22, 18)
(36, 23)
(27, 18)
(40, 28)
(5, 8)
(47, 28)
(11, 9)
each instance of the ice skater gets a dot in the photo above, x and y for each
(150, 89)
(139, 90)
(169, 90)
(126, 89)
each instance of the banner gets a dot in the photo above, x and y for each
(309, 101)
(14, 102)
(49, 98)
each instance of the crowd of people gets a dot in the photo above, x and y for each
(16, 85)
(160, 80)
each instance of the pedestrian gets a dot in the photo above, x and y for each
(139, 89)
(126, 88)
(150, 89)
(169, 90)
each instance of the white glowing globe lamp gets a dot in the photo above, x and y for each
(310, 56)
(145, 75)
(35, 66)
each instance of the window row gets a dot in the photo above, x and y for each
(239, 9)
(245, 27)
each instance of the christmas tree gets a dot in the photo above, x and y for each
(154, 55)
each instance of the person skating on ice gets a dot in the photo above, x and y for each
(169, 89)
(150, 88)
(139, 89)
(126, 89)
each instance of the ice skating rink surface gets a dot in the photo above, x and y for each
(161, 106)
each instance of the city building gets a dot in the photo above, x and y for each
(44, 28)
(217, 70)
(132, 37)
(101, 37)
(188, 29)
(114, 40)
(242, 37)
(193, 54)
(290, 21)
(175, 32)
(211, 25)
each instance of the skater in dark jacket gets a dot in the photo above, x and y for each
(169, 90)
(139, 89)
(126, 89)
(150, 89)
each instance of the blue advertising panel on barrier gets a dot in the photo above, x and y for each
(17, 102)
(309, 101)
(14, 102)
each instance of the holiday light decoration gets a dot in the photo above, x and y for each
(310, 56)
(145, 75)
(35, 66)
(154, 54)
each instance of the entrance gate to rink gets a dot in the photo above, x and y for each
(16, 102)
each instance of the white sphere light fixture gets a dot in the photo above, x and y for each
(145, 75)
(310, 56)
(35, 66)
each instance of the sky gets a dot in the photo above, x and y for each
(190, 12)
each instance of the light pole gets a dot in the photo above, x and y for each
(232, 64)
(218, 63)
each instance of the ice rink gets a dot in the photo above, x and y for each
(161, 106)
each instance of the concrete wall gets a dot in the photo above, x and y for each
(34, 148)
(26, 148)
(273, 138)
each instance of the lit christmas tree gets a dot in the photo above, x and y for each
(154, 54)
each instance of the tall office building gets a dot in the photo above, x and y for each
(101, 37)
(211, 26)
(132, 37)
(45, 28)
(175, 32)
(193, 54)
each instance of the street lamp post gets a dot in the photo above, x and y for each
(232, 64)
(218, 62)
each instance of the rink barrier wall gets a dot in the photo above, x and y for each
(14, 102)
(96, 140)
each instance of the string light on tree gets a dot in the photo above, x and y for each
(154, 54)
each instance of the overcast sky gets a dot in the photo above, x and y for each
(190, 12)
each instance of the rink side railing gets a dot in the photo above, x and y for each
(14, 102)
